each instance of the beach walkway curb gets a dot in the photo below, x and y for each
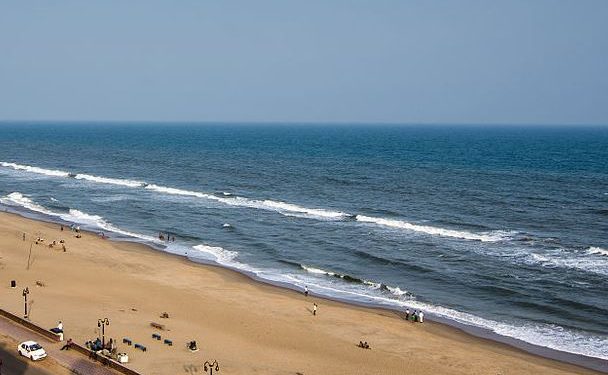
(72, 359)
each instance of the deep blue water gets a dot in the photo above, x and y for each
(503, 228)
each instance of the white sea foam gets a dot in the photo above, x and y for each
(28, 168)
(372, 284)
(397, 291)
(79, 217)
(562, 259)
(18, 199)
(111, 181)
(597, 251)
(72, 216)
(218, 254)
(289, 208)
(485, 237)
(317, 271)
(175, 191)
(269, 205)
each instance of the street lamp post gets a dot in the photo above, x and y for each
(26, 291)
(102, 323)
(211, 366)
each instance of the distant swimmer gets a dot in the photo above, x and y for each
(226, 225)
(72, 175)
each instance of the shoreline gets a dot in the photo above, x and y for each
(438, 325)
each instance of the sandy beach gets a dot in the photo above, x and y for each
(247, 326)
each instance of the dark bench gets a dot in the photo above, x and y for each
(157, 326)
(156, 336)
(141, 347)
(127, 341)
(168, 342)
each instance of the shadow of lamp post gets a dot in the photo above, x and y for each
(102, 323)
(26, 291)
(211, 366)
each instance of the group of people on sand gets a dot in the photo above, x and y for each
(40, 240)
(415, 316)
(161, 236)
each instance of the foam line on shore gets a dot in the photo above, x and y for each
(72, 216)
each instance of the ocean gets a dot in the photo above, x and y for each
(500, 228)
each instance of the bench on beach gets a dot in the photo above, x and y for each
(168, 342)
(127, 341)
(156, 336)
(157, 326)
(140, 347)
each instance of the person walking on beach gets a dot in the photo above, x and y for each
(24, 236)
(305, 291)
(407, 314)
(314, 309)
(421, 317)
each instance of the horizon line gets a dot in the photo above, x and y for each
(298, 123)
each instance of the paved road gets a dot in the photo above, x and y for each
(12, 364)
(68, 359)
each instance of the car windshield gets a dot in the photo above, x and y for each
(35, 347)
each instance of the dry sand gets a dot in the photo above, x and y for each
(249, 327)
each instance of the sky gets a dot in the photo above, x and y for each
(382, 61)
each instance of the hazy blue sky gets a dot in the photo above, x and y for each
(529, 61)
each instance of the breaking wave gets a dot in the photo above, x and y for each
(597, 251)
(351, 279)
(112, 181)
(19, 199)
(72, 216)
(485, 237)
(27, 168)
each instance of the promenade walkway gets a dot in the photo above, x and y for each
(68, 359)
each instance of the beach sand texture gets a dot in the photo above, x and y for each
(248, 327)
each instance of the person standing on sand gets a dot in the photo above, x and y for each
(305, 291)
(314, 309)
(24, 236)
(421, 317)
(407, 314)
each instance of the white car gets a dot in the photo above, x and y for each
(31, 350)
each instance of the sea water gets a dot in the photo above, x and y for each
(500, 228)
